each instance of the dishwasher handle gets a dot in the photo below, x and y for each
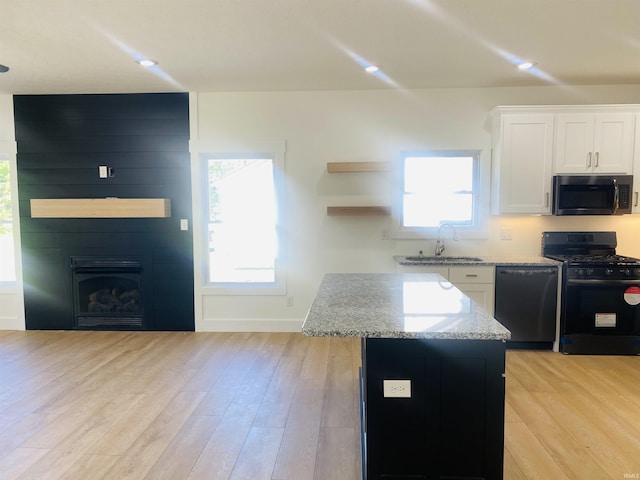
(526, 272)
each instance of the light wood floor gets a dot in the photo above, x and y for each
(273, 406)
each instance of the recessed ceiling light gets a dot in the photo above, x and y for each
(146, 62)
(526, 65)
(4, 68)
(372, 68)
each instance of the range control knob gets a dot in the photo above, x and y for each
(580, 272)
(608, 271)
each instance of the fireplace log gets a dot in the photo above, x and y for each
(108, 300)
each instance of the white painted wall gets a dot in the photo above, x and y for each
(359, 126)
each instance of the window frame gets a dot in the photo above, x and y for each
(278, 287)
(8, 154)
(480, 193)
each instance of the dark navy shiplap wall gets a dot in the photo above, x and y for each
(62, 139)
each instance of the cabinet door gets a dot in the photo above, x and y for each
(444, 271)
(613, 143)
(480, 293)
(523, 154)
(636, 168)
(594, 144)
(574, 143)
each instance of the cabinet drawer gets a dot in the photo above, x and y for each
(470, 275)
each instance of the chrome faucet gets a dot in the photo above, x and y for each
(440, 241)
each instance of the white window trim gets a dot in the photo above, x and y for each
(8, 151)
(201, 151)
(479, 231)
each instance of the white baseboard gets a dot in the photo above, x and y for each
(249, 325)
(11, 323)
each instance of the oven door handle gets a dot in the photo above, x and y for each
(630, 281)
(616, 197)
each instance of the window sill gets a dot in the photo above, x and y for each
(243, 290)
(7, 288)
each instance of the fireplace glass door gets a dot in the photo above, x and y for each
(107, 292)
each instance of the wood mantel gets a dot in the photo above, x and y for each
(357, 167)
(100, 208)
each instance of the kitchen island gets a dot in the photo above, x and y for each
(432, 375)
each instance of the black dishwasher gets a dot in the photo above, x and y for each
(525, 303)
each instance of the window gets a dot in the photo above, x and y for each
(439, 187)
(243, 212)
(7, 251)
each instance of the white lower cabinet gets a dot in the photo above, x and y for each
(477, 283)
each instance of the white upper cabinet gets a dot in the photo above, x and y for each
(635, 201)
(600, 143)
(522, 162)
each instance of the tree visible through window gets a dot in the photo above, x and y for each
(7, 252)
(438, 188)
(242, 221)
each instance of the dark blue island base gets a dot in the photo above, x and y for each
(452, 425)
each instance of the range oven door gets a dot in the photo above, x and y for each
(604, 311)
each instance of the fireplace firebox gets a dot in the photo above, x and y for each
(108, 292)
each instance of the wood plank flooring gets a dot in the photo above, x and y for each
(273, 406)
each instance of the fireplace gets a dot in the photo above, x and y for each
(108, 293)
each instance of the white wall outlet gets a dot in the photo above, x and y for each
(289, 301)
(184, 224)
(396, 388)
(506, 233)
(102, 171)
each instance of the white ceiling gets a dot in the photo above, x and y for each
(89, 46)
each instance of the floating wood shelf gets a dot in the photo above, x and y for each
(347, 167)
(100, 207)
(358, 211)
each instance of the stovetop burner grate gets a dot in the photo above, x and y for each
(597, 259)
(585, 249)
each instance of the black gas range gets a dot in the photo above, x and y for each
(600, 294)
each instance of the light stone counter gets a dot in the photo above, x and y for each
(388, 305)
(523, 260)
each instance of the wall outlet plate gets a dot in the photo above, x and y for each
(506, 233)
(396, 388)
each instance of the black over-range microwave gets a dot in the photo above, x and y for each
(592, 194)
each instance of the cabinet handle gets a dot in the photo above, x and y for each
(471, 275)
(635, 201)
(597, 159)
(589, 159)
(546, 200)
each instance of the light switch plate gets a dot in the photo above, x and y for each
(184, 224)
(102, 171)
(396, 388)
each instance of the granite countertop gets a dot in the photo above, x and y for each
(524, 260)
(396, 305)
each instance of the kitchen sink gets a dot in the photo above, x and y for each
(442, 259)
